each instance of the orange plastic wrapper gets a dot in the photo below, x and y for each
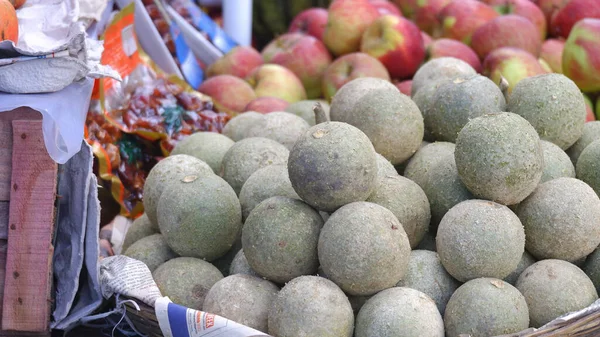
(133, 124)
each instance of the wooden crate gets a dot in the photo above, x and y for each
(28, 184)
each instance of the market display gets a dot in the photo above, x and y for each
(364, 168)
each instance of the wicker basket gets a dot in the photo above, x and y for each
(587, 325)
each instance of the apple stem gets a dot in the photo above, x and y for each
(320, 116)
(504, 87)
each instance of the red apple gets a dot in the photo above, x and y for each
(348, 20)
(506, 31)
(427, 40)
(513, 64)
(267, 104)
(589, 108)
(385, 7)
(454, 48)
(581, 56)
(229, 93)
(408, 7)
(405, 87)
(427, 15)
(303, 54)
(239, 62)
(274, 80)
(550, 7)
(524, 8)
(461, 18)
(397, 43)
(311, 21)
(551, 52)
(564, 20)
(349, 67)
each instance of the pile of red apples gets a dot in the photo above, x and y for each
(326, 48)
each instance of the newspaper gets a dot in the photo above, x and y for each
(130, 277)
(178, 321)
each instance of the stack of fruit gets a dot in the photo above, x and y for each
(348, 223)
(326, 48)
(469, 208)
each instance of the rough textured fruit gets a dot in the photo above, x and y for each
(390, 119)
(280, 239)
(282, 127)
(266, 182)
(247, 156)
(301, 306)
(486, 307)
(153, 250)
(200, 216)
(240, 265)
(209, 147)
(423, 99)
(304, 109)
(378, 255)
(238, 126)
(480, 238)
(443, 67)
(556, 162)
(553, 288)
(561, 220)
(526, 261)
(588, 166)
(9, 26)
(399, 312)
(333, 164)
(385, 169)
(457, 102)
(140, 228)
(553, 104)
(186, 280)
(409, 204)
(172, 168)
(591, 132)
(434, 169)
(592, 268)
(243, 299)
(426, 273)
(499, 157)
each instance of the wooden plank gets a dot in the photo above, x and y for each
(29, 254)
(3, 246)
(5, 159)
(22, 113)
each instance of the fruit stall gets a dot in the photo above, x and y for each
(289, 168)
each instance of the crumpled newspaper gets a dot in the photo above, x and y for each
(53, 50)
